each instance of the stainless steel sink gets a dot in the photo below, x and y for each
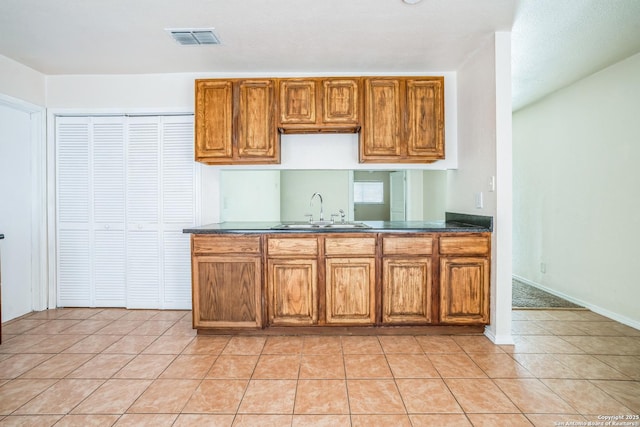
(349, 225)
(319, 225)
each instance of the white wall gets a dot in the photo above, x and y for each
(16, 210)
(21, 82)
(485, 122)
(153, 92)
(298, 187)
(476, 135)
(576, 191)
(250, 195)
(435, 195)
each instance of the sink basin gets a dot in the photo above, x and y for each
(349, 225)
(319, 225)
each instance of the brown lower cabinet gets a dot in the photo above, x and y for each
(406, 290)
(340, 279)
(292, 281)
(464, 296)
(226, 281)
(407, 276)
(464, 279)
(292, 289)
(350, 280)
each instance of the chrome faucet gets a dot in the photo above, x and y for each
(321, 210)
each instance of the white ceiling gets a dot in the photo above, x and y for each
(555, 42)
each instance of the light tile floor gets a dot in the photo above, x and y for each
(104, 367)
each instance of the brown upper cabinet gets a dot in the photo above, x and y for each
(235, 121)
(319, 105)
(403, 120)
(239, 121)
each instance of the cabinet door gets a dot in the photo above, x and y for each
(226, 292)
(340, 101)
(298, 101)
(214, 115)
(464, 290)
(381, 132)
(292, 291)
(350, 291)
(406, 290)
(425, 127)
(257, 134)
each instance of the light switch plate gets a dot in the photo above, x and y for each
(479, 201)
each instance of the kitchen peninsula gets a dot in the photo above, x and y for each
(261, 276)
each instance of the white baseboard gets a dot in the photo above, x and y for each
(498, 339)
(596, 309)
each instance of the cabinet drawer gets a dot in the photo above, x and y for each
(293, 246)
(464, 245)
(407, 245)
(208, 244)
(350, 246)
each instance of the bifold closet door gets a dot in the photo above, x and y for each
(125, 189)
(160, 203)
(90, 189)
(178, 209)
(143, 217)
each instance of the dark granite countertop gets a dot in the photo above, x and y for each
(453, 223)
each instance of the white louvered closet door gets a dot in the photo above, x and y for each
(143, 195)
(160, 203)
(125, 191)
(90, 232)
(73, 218)
(108, 226)
(178, 202)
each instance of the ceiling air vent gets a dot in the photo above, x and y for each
(194, 36)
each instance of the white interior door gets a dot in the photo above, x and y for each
(16, 210)
(397, 195)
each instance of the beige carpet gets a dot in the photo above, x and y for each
(527, 296)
